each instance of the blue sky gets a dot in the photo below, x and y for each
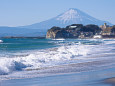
(25, 12)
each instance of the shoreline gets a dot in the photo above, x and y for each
(92, 69)
(62, 69)
(51, 38)
(87, 78)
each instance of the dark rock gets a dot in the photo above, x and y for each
(73, 31)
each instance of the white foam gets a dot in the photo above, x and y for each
(42, 58)
(1, 41)
(59, 39)
(109, 42)
(50, 57)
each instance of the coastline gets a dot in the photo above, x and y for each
(62, 69)
(93, 69)
(87, 78)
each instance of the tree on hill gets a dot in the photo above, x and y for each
(91, 28)
(55, 28)
(113, 29)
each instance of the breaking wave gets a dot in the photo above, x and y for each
(64, 54)
(1, 41)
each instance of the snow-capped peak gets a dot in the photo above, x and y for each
(71, 14)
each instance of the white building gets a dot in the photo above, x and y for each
(72, 26)
(97, 36)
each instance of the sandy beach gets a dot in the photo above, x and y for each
(69, 75)
(70, 64)
(74, 79)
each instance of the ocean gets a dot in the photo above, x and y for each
(23, 59)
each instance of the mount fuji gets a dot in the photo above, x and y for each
(71, 16)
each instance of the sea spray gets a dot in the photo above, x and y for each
(66, 52)
(41, 58)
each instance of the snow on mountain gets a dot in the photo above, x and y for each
(71, 16)
(78, 17)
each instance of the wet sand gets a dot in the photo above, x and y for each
(81, 74)
(91, 78)
(110, 81)
(86, 78)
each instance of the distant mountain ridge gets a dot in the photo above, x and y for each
(19, 32)
(71, 16)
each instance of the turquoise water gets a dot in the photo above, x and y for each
(15, 45)
(24, 44)
(22, 58)
(29, 44)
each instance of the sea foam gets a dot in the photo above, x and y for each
(41, 58)
(50, 57)
(1, 41)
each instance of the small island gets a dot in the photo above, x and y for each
(81, 31)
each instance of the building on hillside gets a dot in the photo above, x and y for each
(104, 26)
(106, 29)
(97, 36)
(72, 27)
